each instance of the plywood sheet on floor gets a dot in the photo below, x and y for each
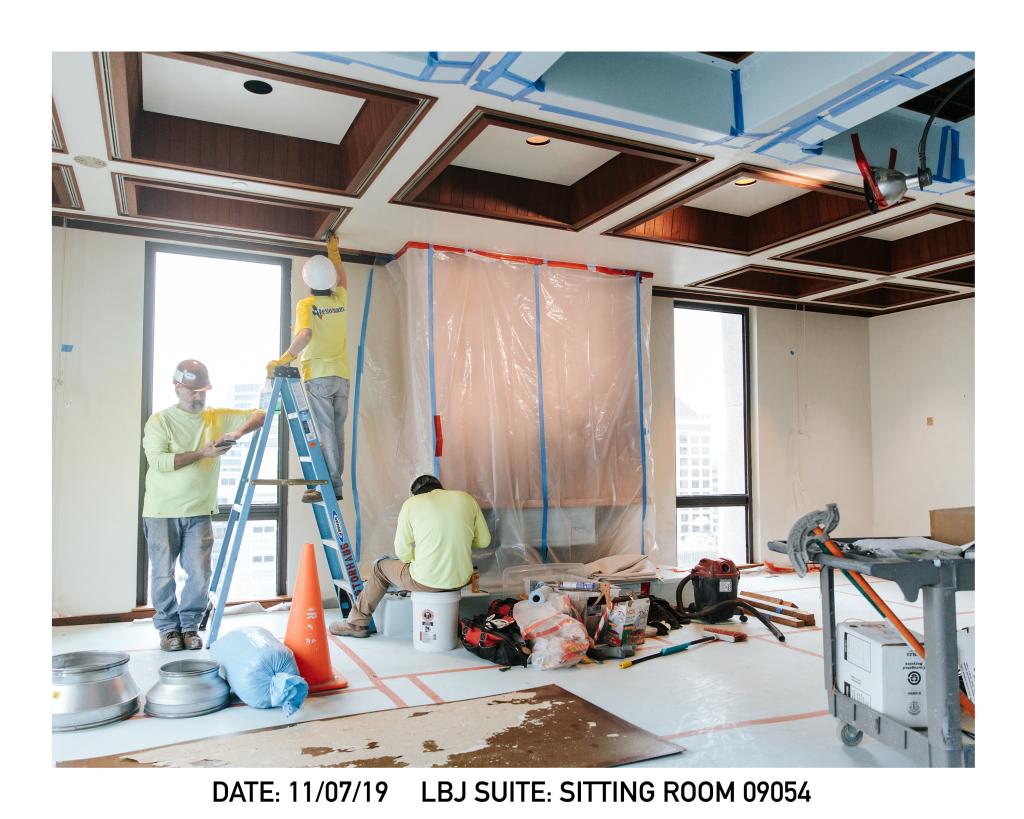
(535, 728)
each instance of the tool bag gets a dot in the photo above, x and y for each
(495, 636)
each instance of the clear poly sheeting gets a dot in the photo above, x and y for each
(542, 426)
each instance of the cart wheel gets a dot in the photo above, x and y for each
(850, 736)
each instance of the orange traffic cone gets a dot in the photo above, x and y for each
(306, 635)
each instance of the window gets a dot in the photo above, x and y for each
(232, 312)
(713, 513)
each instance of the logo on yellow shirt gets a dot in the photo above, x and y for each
(321, 312)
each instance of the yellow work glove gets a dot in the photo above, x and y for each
(285, 359)
(333, 253)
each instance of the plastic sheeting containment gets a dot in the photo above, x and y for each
(532, 372)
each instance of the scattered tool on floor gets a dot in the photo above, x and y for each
(713, 635)
(725, 634)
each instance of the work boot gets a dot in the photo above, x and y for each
(345, 629)
(312, 496)
(171, 641)
(193, 642)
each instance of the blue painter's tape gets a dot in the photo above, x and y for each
(540, 410)
(353, 475)
(499, 72)
(737, 104)
(67, 348)
(632, 126)
(430, 355)
(860, 93)
(432, 64)
(643, 425)
(814, 149)
(957, 169)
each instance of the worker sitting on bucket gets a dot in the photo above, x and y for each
(182, 445)
(321, 337)
(437, 530)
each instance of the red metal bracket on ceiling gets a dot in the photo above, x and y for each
(865, 171)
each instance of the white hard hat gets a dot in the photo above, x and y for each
(318, 273)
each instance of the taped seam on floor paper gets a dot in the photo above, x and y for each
(643, 426)
(355, 414)
(540, 412)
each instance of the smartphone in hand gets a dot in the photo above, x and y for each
(224, 443)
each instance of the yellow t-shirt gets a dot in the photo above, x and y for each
(191, 490)
(436, 534)
(327, 351)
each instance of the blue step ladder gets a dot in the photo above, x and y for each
(341, 559)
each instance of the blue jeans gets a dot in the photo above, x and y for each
(169, 540)
(328, 404)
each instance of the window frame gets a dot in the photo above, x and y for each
(746, 498)
(276, 511)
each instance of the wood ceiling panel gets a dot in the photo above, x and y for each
(66, 194)
(636, 169)
(855, 251)
(887, 295)
(192, 204)
(774, 281)
(678, 222)
(960, 274)
(385, 119)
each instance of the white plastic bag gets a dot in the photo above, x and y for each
(557, 638)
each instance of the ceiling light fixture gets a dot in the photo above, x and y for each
(745, 181)
(90, 161)
(884, 187)
(537, 140)
(257, 87)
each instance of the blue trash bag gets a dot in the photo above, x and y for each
(260, 669)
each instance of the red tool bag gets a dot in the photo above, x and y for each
(495, 636)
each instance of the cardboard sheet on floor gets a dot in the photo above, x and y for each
(544, 727)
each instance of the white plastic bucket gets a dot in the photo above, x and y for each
(435, 620)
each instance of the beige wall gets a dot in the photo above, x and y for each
(810, 421)
(98, 306)
(922, 366)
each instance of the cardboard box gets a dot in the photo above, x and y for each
(876, 667)
(627, 622)
(953, 526)
(965, 650)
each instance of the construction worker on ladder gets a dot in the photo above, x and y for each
(320, 335)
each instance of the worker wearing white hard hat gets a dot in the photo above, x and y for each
(320, 338)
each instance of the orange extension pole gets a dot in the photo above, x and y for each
(865, 587)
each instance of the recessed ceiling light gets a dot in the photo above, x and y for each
(745, 181)
(257, 87)
(90, 161)
(240, 185)
(537, 140)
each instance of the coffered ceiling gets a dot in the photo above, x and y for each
(728, 175)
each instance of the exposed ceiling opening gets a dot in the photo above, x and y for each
(959, 107)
